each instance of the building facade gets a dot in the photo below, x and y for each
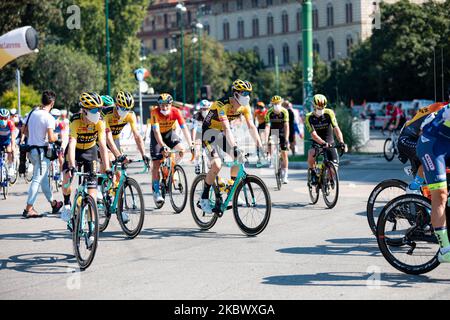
(272, 28)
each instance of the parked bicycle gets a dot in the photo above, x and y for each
(390, 149)
(248, 195)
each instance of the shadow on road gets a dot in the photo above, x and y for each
(38, 236)
(335, 279)
(288, 205)
(350, 247)
(162, 233)
(40, 263)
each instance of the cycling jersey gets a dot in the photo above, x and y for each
(198, 121)
(412, 127)
(115, 125)
(165, 123)
(323, 125)
(86, 134)
(6, 132)
(277, 121)
(221, 111)
(260, 116)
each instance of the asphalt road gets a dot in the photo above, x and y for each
(306, 251)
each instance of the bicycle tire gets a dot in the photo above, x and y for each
(28, 177)
(50, 176)
(383, 245)
(278, 173)
(76, 235)
(252, 231)
(390, 183)
(193, 204)
(131, 233)
(387, 155)
(329, 167)
(103, 220)
(4, 180)
(314, 191)
(16, 173)
(178, 209)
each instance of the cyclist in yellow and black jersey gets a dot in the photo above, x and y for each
(277, 124)
(321, 124)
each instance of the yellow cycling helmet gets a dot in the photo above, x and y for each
(276, 100)
(319, 101)
(165, 98)
(90, 100)
(241, 85)
(125, 100)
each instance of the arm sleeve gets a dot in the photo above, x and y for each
(334, 123)
(247, 113)
(132, 121)
(267, 117)
(154, 120)
(309, 127)
(180, 119)
(286, 116)
(101, 130)
(73, 130)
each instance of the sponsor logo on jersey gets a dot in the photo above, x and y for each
(429, 162)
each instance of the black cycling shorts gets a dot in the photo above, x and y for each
(332, 155)
(171, 139)
(407, 147)
(283, 143)
(216, 144)
(85, 159)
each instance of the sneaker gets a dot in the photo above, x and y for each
(285, 180)
(56, 207)
(90, 242)
(444, 258)
(206, 206)
(65, 213)
(125, 217)
(157, 197)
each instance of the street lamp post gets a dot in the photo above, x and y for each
(194, 41)
(174, 77)
(199, 27)
(181, 8)
(307, 63)
(108, 77)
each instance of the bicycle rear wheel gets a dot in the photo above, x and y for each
(405, 235)
(330, 185)
(388, 149)
(178, 189)
(85, 234)
(253, 215)
(14, 178)
(384, 192)
(28, 175)
(131, 208)
(205, 222)
(104, 206)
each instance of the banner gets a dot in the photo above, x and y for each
(16, 43)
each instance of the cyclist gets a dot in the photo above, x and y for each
(87, 130)
(260, 117)
(7, 138)
(217, 135)
(277, 124)
(321, 123)
(163, 137)
(198, 119)
(116, 117)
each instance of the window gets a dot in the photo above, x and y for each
(286, 58)
(330, 45)
(166, 43)
(330, 15)
(240, 27)
(269, 24)
(269, 2)
(254, 3)
(299, 20)
(154, 43)
(226, 30)
(239, 4)
(165, 20)
(315, 18)
(285, 22)
(349, 45)
(316, 46)
(271, 56)
(153, 24)
(300, 51)
(255, 27)
(225, 6)
(348, 12)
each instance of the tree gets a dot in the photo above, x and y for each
(68, 73)
(28, 99)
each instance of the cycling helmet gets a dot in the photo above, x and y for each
(55, 112)
(64, 112)
(205, 104)
(108, 101)
(4, 113)
(13, 111)
(90, 100)
(276, 100)
(125, 99)
(241, 85)
(165, 98)
(319, 101)
(260, 104)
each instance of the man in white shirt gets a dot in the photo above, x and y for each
(39, 128)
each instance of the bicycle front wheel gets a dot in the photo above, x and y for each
(252, 205)
(330, 185)
(13, 179)
(388, 149)
(85, 232)
(131, 208)
(405, 235)
(277, 168)
(178, 189)
(104, 206)
(313, 190)
(4, 181)
(28, 175)
(204, 221)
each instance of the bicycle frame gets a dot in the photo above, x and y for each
(3, 161)
(241, 175)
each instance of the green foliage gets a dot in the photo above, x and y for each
(28, 98)
(345, 121)
(68, 73)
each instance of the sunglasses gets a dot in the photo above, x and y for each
(93, 111)
(4, 118)
(123, 109)
(244, 93)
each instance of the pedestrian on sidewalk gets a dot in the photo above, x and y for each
(39, 128)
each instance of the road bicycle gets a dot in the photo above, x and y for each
(248, 195)
(4, 179)
(54, 175)
(327, 177)
(276, 160)
(173, 182)
(123, 198)
(390, 149)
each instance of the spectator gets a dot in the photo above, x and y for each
(293, 125)
(41, 124)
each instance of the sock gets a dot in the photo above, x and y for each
(67, 200)
(442, 236)
(205, 194)
(286, 172)
(156, 185)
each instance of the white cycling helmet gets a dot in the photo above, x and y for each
(13, 111)
(55, 112)
(64, 112)
(205, 104)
